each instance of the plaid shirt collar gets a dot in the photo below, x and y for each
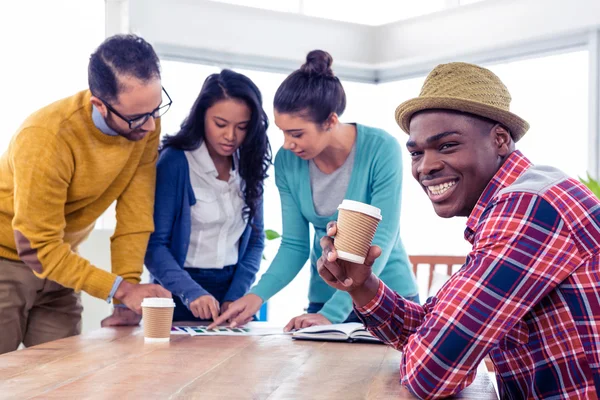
(514, 166)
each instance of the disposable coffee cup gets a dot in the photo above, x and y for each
(356, 226)
(158, 316)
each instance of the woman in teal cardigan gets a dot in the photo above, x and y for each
(322, 162)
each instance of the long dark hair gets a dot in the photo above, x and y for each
(255, 150)
(313, 91)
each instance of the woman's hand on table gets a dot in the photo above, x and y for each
(205, 307)
(306, 320)
(240, 312)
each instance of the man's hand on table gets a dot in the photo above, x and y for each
(132, 295)
(121, 316)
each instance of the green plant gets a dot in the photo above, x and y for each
(591, 184)
(270, 234)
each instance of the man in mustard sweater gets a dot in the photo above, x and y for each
(64, 167)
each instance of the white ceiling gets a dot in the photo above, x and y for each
(212, 32)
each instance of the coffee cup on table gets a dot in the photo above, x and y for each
(157, 313)
(356, 226)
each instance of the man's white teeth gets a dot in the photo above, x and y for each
(441, 188)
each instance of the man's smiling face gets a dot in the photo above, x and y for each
(454, 157)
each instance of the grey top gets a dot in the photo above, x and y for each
(328, 190)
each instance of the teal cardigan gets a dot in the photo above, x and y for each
(376, 179)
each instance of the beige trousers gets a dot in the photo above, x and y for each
(33, 310)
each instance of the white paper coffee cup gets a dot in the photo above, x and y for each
(356, 226)
(157, 313)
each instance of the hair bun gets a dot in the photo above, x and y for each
(318, 62)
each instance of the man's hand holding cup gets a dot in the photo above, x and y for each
(356, 279)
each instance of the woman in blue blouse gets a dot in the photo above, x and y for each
(209, 237)
(322, 162)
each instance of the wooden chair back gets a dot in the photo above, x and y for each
(432, 261)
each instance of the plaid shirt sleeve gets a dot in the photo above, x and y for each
(516, 260)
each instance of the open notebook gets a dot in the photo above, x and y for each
(349, 332)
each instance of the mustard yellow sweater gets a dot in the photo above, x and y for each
(59, 174)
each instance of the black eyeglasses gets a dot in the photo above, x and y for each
(137, 122)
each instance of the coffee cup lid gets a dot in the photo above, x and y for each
(357, 206)
(158, 302)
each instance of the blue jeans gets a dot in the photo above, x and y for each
(314, 308)
(214, 281)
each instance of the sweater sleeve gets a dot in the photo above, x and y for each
(386, 194)
(135, 221)
(43, 170)
(295, 242)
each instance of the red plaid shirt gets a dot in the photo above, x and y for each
(528, 295)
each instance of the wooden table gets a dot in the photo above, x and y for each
(115, 363)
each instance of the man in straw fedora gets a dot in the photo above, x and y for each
(528, 295)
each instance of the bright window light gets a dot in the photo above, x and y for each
(551, 93)
(47, 60)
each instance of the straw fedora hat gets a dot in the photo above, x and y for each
(467, 88)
